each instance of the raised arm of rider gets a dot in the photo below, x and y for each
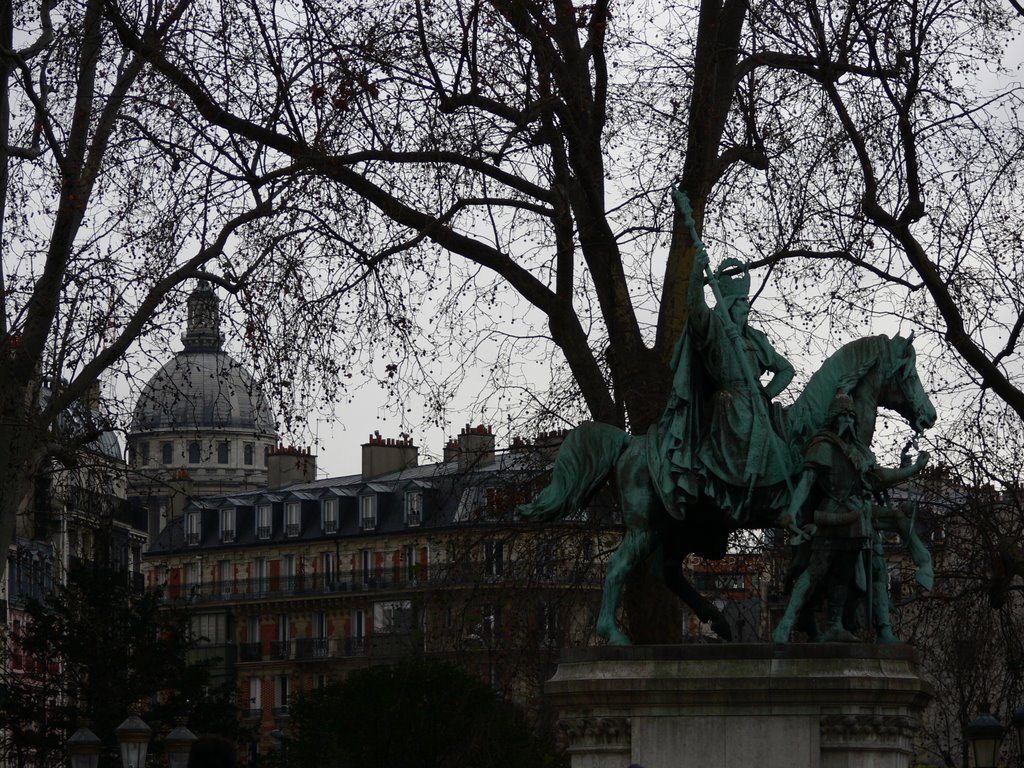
(700, 312)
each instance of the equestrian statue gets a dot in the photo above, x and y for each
(724, 457)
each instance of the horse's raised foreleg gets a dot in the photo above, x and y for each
(635, 546)
(671, 569)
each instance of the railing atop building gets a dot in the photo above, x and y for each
(310, 648)
(390, 578)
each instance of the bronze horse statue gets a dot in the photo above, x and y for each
(878, 371)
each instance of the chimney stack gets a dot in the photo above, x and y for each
(382, 456)
(290, 465)
(476, 447)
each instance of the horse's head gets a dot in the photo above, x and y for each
(902, 390)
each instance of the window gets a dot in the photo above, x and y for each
(192, 528)
(225, 576)
(194, 456)
(266, 455)
(550, 623)
(227, 525)
(368, 512)
(411, 566)
(494, 556)
(320, 626)
(210, 628)
(281, 695)
(366, 564)
(327, 567)
(329, 512)
(191, 574)
(393, 616)
(263, 521)
(144, 449)
(223, 452)
(255, 696)
(167, 451)
(358, 642)
(546, 560)
(281, 648)
(490, 622)
(413, 508)
(292, 525)
(247, 454)
(259, 574)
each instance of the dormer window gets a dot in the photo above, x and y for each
(292, 523)
(329, 509)
(263, 521)
(368, 512)
(192, 528)
(413, 508)
(227, 525)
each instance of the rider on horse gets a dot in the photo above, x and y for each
(716, 434)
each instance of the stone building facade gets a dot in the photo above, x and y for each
(303, 580)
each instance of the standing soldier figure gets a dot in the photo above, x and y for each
(836, 488)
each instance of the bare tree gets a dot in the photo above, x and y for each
(111, 195)
(847, 148)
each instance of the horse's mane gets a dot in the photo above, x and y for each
(842, 370)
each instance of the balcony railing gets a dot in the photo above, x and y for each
(281, 649)
(383, 645)
(291, 530)
(381, 579)
(312, 648)
(263, 532)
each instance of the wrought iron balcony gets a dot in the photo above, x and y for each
(281, 649)
(312, 648)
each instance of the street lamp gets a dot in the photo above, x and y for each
(84, 748)
(985, 734)
(133, 738)
(1017, 721)
(179, 745)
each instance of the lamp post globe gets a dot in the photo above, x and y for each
(133, 738)
(985, 734)
(179, 745)
(84, 748)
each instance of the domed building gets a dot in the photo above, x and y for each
(201, 426)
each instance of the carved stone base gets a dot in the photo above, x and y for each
(800, 706)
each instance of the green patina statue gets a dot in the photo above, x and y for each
(688, 483)
(834, 506)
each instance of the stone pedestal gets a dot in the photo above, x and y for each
(799, 706)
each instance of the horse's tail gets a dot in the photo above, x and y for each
(584, 461)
